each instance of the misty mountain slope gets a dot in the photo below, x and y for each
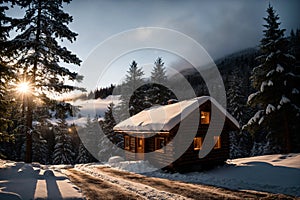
(235, 69)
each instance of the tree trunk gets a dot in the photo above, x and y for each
(28, 155)
(29, 117)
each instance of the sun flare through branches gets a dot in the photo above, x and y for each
(24, 87)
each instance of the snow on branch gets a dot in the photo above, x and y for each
(270, 73)
(251, 96)
(284, 100)
(256, 117)
(270, 108)
(295, 91)
(270, 56)
(264, 84)
(279, 68)
(290, 56)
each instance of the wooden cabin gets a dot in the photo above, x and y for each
(173, 135)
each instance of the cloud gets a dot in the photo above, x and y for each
(220, 27)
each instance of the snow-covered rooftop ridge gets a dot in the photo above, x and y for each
(164, 118)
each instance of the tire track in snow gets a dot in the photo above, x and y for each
(144, 191)
(96, 188)
(157, 188)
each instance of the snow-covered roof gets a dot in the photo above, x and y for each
(164, 118)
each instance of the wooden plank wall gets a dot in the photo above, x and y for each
(190, 157)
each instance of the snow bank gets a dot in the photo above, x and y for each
(270, 173)
(34, 181)
(115, 159)
(133, 166)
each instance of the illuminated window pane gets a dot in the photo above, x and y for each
(217, 141)
(197, 143)
(140, 143)
(205, 117)
(127, 142)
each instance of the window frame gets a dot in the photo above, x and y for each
(138, 143)
(127, 141)
(202, 113)
(196, 140)
(217, 141)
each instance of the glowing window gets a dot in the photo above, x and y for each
(197, 143)
(217, 141)
(127, 142)
(205, 117)
(140, 143)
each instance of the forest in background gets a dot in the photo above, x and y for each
(268, 74)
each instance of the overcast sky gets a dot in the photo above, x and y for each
(221, 27)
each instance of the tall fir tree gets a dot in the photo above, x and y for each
(130, 100)
(37, 54)
(295, 45)
(158, 93)
(110, 142)
(236, 107)
(63, 149)
(277, 114)
(294, 82)
(236, 99)
(40, 146)
(5, 73)
(158, 73)
(88, 137)
(108, 125)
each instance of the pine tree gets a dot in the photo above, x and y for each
(88, 138)
(40, 146)
(110, 142)
(63, 150)
(130, 100)
(294, 82)
(277, 114)
(295, 45)
(5, 73)
(158, 73)
(108, 125)
(37, 55)
(158, 92)
(236, 100)
(240, 141)
(83, 155)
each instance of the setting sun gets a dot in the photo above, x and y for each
(23, 87)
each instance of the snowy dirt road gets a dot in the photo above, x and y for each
(107, 183)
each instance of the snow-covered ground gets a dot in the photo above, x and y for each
(34, 181)
(269, 173)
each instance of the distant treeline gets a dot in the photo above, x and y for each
(101, 93)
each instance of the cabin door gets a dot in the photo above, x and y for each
(140, 148)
